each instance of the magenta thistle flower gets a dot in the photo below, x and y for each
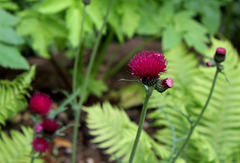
(40, 103)
(148, 65)
(220, 55)
(50, 126)
(40, 144)
(39, 128)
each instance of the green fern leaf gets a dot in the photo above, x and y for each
(220, 125)
(116, 133)
(17, 149)
(12, 99)
(216, 139)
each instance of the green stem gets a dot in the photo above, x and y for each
(102, 53)
(199, 117)
(140, 127)
(76, 61)
(79, 106)
(34, 134)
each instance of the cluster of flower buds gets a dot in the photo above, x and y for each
(149, 65)
(40, 104)
(218, 57)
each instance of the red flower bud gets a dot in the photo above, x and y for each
(220, 55)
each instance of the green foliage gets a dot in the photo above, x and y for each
(12, 99)
(8, 4)
(17, 149)
(10, 56)
(174, 21)
(216, 138)
(42, 29)
(116, 133)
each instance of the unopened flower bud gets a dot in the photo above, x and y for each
(163, 85)
(211, 63)
(220, 55)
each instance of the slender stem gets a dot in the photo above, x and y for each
(79, 106)
(34, 134)
(102, 53)
(140, 127)
(76, 61)
(199, 117)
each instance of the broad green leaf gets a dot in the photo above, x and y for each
(7, 19)
(11, 58)
(95, 13)
(114, 22)
(171, 38)
(196, 40)
(73, 18)
(130, 20)
(8, 5)
(54, 6)
(9, 36)
(211, 18)
(43, 30)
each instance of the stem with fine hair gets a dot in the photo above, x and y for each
(193, 126)
(140, 126)
(85, 84)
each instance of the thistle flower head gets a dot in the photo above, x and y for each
(40, 103)
(40, 144)
(50, 126)
(147, 65)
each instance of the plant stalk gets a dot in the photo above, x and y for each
(79, 106)
(76, 61)
(193, 126)
(142, 119)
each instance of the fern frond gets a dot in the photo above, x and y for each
(220, 126)
(12, 94)
(116, 133)
(17, 149)
(216, 138)
(182, 66)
